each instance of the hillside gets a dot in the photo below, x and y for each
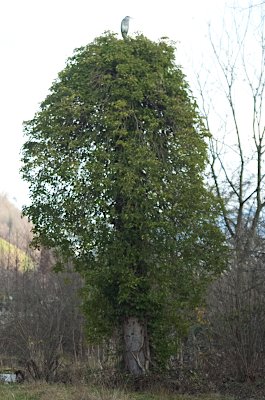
(15, 237)
(13, 228)
(13, 257)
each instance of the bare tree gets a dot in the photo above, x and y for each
(237, 162)
(237, 150)
(41, 320)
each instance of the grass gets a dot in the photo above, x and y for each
(43, 391)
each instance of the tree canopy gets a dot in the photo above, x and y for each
(115, 159)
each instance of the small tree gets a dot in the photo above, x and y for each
(115, 160)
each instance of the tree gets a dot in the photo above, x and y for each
(237, 154)
(115, 160)
(237, 166)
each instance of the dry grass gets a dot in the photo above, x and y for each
(42, 391)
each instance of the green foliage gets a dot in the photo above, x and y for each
(115, 160)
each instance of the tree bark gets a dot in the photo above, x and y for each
(136, 346)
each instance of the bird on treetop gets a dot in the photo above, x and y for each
(125, 26)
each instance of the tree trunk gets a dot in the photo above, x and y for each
(136, 346)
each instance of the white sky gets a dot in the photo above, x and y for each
(36, 38)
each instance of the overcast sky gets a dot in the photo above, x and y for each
(36, 38)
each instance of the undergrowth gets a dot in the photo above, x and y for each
(43, 391)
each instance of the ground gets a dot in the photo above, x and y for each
(42, 391)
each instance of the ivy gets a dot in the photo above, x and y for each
(115, 159)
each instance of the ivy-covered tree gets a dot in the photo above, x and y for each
(115, 160)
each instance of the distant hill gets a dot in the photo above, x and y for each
(13, 228)
(11, 257)
(15, 237)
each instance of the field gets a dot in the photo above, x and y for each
(43, 391)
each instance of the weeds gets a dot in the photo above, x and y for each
(43, 391)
